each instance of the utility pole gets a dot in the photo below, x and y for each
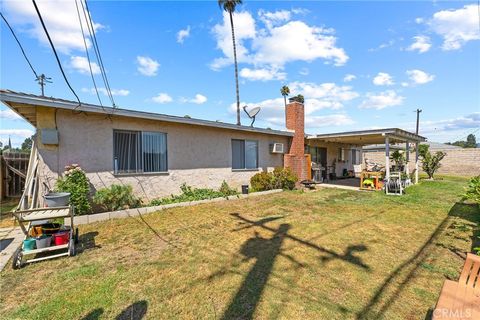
(42, 81)
(418, 111)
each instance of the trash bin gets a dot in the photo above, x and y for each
(245, 189)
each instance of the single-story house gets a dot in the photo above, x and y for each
(157, 153)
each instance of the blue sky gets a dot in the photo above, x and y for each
(359, 64)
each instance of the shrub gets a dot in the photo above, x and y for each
(472, 192)
(76, 183)
(116, 197)
(280, 178)
(195, 194)
(430, 163)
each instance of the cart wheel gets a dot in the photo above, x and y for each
(17, 261)
(71, 248)
(76, 235)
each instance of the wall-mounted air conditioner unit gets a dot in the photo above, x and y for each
(276, 148)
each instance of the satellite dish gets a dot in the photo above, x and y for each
(252, 113)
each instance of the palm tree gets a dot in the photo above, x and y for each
(229, 6)
(285, 91)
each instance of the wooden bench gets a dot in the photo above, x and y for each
(461, 300)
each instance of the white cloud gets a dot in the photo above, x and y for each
(81, 65)
(384, 45)
(419, 76)
(381, 100)
(263, 74)
(162, 98)
(16, 136)
(280, 42)
(8, 114)
(115, 92)
(328, 121)
(198, 99)
(60, 18)
(183, 34)
(349, 77)
(147, 66)
(383, 79)
(470, 121)
(420, 43)
(457, 27)
(304, 71)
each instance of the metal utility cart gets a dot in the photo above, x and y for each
(40, 214)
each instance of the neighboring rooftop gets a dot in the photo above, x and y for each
(23, 104)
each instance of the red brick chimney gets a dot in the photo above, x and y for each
(295, 121)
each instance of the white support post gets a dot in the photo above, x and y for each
(407, 158)
(387, 158)
(416, 162)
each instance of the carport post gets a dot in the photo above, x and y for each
(407, 158)
(387, 158)
(416, 162)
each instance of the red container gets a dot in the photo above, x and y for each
(60, 238)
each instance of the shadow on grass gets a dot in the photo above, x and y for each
(385, 295)
(86, 241)
(135, 311)
(265, 251)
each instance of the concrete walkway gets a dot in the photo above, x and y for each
(10, 240)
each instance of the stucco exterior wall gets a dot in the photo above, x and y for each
(199, 156)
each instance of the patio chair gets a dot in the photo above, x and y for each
(461, 300)
(394, 186)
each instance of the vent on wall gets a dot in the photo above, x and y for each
(276, 148)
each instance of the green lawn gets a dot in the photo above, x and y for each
(330, 254)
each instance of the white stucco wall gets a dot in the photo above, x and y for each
(197, 155)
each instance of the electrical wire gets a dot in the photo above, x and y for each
(91, 30)
(88, 55)
(55, 52)
(19, 44)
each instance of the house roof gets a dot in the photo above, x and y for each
(367, 137)
(23, 104)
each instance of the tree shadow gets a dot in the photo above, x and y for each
(471, 213)
(93, 315)
(135, 311)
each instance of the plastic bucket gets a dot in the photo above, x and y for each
(29, 244)
(57, 199)
(43, 241)
(50, 228)
(60, 238)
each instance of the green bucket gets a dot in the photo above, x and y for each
(29, 244)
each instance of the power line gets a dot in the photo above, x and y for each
(55, 52)
(88, 55)
(91, 30)
(20, 45)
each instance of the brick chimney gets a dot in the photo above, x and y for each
(295, 121)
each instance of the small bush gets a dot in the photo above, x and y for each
(472, 192)
(194, 194)
(280, 178)
(76, 183)
(116, 197)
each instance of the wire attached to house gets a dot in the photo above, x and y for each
(91, 30)
(19, 44)
(88, 55)
(55, 52)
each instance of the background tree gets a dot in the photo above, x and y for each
(27, 144)
(471, 142)
(285, 91)
(229, 6)
(430, 163)
(298, 98)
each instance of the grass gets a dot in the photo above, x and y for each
(331, 254)
(6, 218)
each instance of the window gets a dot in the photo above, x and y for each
(244, 154)
(341, 154)
(137, 152)
(356, 156)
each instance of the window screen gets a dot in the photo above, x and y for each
(135, 151)
(244, 154)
